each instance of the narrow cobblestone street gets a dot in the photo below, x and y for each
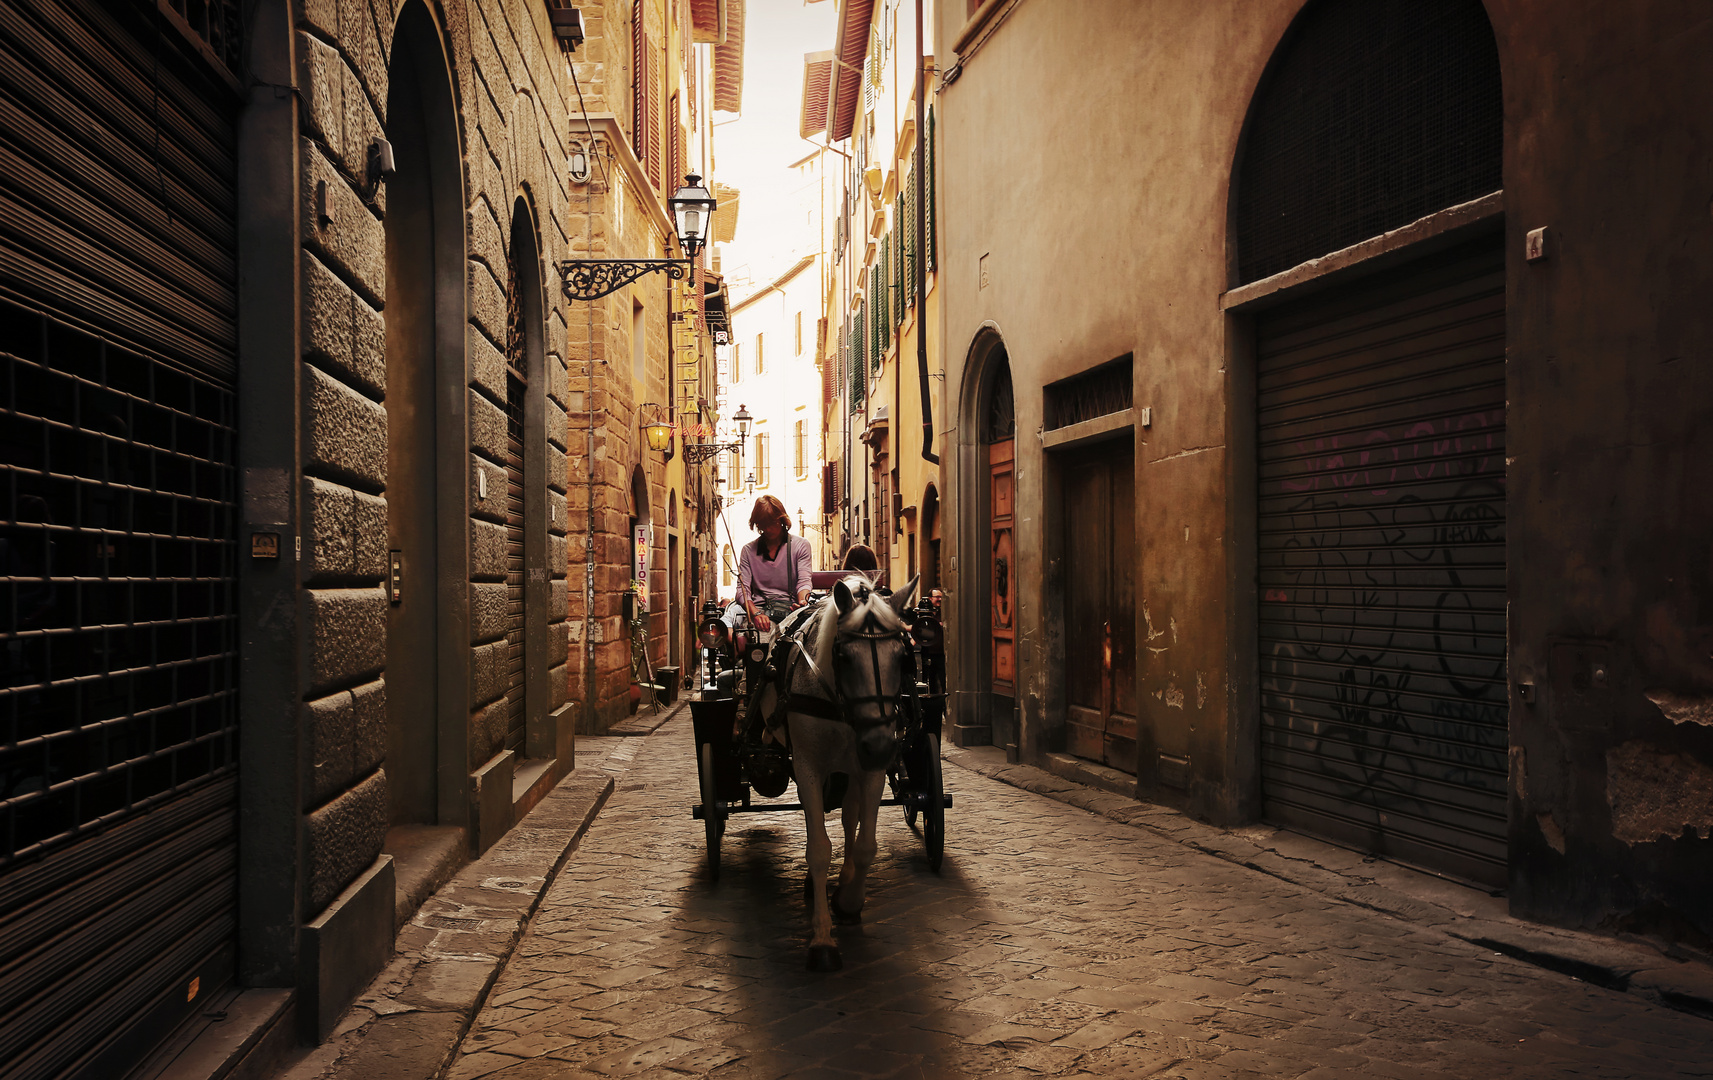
(1054, 942)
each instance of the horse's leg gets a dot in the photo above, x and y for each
(823, 951)
(862, 810)
(845, 903)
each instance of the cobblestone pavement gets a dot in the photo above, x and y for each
(1053, 943)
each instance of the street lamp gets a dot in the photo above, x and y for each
(692, 207)
(695, 455)
(658, 431)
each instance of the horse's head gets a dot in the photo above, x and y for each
(870, 661)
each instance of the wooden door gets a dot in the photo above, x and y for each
(1002, 563)
(1098, 543)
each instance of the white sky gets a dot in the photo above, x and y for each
(752, 152)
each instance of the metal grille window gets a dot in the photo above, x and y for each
(1377, 112)
(120, 643)
(1099, 392)
(218, 24)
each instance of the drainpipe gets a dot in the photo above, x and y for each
(921, 274)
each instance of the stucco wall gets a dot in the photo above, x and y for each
(1099, 199)
(1609, 143)
(1110, 244)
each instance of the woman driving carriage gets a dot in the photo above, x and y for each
(775, 569)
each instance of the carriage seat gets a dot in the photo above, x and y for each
(824, 580)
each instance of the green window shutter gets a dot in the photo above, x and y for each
(859, 358)
(912, 248)
(876, 310)
(932, 221)
(900, 290)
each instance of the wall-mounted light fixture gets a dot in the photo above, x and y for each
(695, 455)
(692, 208)
(658, 431)
(567, 26)
(579, 162)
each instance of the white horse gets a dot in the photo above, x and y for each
(846, 678)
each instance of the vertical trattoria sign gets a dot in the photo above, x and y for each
(643, 540)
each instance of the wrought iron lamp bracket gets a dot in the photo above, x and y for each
(591, 279)
(700, 452)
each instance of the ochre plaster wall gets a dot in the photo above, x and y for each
(1088, 158)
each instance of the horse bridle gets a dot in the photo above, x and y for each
(874, 633)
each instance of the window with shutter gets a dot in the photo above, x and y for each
(859, 356)
(763, 459)
(652, 112)
(910, 239)
(797, 450)
(900, 262)
(932, 216)
(637, 66)
(674, 149)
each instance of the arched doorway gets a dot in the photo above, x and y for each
(525, 705)
(1380, 435)
(424, 348)
(928, 537)
(987, 588)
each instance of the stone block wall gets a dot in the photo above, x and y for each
(343, 79)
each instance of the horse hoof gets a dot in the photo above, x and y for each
(824, 958)
(840, 915)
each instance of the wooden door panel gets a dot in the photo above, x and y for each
(1084, 734)
(1084, 572)
(1099, 574)
(1121, 614)
(1002, 563)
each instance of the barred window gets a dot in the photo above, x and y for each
(1375, 113)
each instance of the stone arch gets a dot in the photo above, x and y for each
(528, 693)
(428, 458)
(987, 418)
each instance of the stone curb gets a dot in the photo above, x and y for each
(1634, 966)
(409, 1022)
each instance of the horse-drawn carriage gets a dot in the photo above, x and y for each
(846, 698)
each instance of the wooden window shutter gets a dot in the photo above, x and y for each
(930, 248)
(910, 239)
(674, 149)
(652, 113)
(637, 67)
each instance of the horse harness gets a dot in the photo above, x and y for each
(871, 631)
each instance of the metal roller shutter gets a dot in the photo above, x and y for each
(1382, 564)
(118, 713)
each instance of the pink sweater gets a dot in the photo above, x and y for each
(783, 576)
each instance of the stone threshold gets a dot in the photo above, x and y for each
(1661, 973)
(245, 1037)
(409, 1022)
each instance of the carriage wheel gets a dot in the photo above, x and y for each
(903, 785)
(934, 814)
(713, 810)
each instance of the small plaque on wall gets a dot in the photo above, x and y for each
(265, 545)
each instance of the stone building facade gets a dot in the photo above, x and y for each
(872, 98)
(1325, 442)
(309, 481)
